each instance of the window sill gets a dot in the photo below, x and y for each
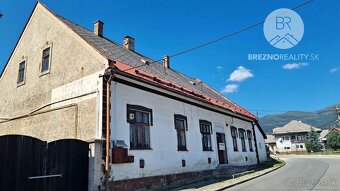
(209, 150)
(182, 149)
(20, 83)
(136, 149)
(44, 73)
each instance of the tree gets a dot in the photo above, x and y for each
(333, 139)
(313, 144)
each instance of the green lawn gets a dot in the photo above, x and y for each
(325, 152)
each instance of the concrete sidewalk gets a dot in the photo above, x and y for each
(220, 184)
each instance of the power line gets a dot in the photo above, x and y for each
(233, 33)
(220, 38)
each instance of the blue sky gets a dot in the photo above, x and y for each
(167, 27)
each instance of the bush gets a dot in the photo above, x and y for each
(333, 139)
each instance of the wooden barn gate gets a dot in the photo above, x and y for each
(29, 164)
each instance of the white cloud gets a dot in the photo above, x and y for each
(230, 88)
(240, 74)
(293, 66)
(333, 70)
(219, 67)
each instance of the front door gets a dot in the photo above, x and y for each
(222, 148)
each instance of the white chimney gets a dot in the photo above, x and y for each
(98, 28)
(129, 43)
(166, 61)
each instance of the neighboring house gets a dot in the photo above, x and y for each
(64, 81)
(271, 143)
(323, 138)
(291, 138)
(324, 135)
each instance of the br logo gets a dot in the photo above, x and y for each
(283, 28)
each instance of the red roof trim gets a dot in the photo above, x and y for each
(163, 82)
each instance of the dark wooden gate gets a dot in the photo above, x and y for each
(29, 164)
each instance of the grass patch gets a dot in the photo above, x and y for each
(325, 152)
(271, 163)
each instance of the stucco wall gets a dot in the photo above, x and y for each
(71, 59)
(164, 157)
(261, 145)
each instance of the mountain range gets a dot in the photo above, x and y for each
(323, 119)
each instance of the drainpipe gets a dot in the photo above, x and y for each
(254, 135)
(108, 74)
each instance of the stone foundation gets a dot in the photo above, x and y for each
(156, 181)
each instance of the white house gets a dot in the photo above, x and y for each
(144, 121)
(291, 137)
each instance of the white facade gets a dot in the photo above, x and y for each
(290, 142)
(163, 157)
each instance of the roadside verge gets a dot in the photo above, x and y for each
(221, 184)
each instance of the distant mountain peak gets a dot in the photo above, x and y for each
(324, 118)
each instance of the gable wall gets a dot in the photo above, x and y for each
(71, 59)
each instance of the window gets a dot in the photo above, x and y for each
(205, 128)
(250, 142)
(21, 74)
(292, 137)
(286, 148)
(45, 64)
(181, 127)
(234, 135)
(301, 146)
(243, 142)
(286, 138)
(140, 119)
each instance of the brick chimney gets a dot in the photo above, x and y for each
(98, 28)
(166, 61)
(129, 43)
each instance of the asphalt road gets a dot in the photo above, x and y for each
(299, 173)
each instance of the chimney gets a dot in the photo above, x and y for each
(129, 43)
(98, 28)
(166, 61)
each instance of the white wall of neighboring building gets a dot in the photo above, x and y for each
(261, 145)
(283, 145)
(164, 158)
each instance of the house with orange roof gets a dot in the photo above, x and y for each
(144, 121)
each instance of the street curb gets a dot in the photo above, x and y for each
(243, 181)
